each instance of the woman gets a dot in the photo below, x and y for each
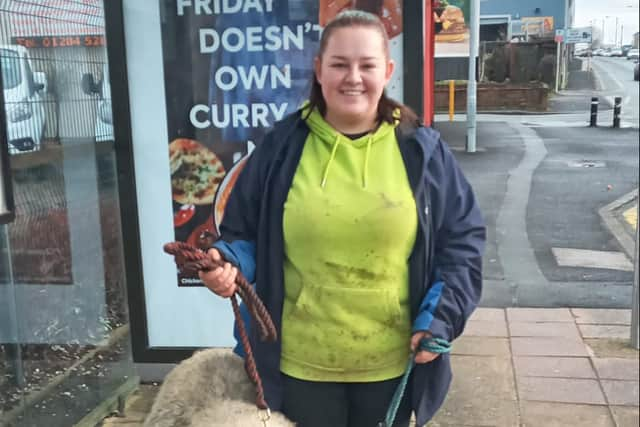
(362, 236)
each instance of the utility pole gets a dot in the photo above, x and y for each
(474, 37)
(565, 50)
(635, 301)
(558, 54)
(615, 38)
(590, 49)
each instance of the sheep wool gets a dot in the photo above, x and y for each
(210, 388)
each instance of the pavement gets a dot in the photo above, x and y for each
(522, 367)
(543, 367)
(581, 86)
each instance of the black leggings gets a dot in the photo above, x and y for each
(325, 404)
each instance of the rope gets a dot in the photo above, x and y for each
(191, 260)
(432, 345)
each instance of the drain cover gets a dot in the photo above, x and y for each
(586, 164)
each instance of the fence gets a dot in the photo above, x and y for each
(518, 63)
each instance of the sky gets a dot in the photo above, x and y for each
(627, 12)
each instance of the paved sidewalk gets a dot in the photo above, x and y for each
(527, 368)
(544, 367)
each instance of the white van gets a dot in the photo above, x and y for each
(104, 116)
(23, 96)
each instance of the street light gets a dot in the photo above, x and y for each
(618, 39)
(615, 39)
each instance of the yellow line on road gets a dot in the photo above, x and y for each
(631, 216)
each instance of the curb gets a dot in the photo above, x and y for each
(617, 227)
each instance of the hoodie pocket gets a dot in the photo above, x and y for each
(361, 333)
(353, 314)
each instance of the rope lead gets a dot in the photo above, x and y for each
(190, 260)
(430, 344)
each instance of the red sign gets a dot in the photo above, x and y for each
(59, 41)
(55, 18)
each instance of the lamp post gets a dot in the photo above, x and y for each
(474, 37)
(615, 38)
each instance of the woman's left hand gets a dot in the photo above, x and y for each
(422, 356)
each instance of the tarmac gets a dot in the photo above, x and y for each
(522, 367)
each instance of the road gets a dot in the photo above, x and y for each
(615, 76)
(542, 181)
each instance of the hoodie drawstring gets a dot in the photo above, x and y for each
(365, 171)
(333, 155)
(366, 161)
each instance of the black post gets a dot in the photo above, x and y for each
(616, 111)
(594, 112)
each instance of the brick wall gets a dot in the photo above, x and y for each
(494, 96)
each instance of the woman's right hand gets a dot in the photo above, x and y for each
(221, 280)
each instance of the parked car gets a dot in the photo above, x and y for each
(616, 52)
(636, 72)
(633, 54)
(104, 116)
(583, 53)
(23, 92)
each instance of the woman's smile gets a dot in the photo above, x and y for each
(352, 73)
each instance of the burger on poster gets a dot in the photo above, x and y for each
(451, 18)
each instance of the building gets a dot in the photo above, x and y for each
(502, 20)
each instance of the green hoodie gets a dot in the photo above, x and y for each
(350, 223)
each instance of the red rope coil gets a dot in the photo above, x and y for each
(191, 260)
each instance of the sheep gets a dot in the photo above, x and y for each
(210, 388)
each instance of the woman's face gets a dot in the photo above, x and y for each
(353, 72)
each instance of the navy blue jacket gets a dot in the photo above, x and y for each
(445, 267)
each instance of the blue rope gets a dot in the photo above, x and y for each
(432, 345)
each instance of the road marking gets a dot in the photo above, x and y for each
(631, 216)
(514, 248)
(568, 257)
(610, 75)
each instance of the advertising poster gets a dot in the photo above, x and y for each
(231, 70)
(540, 26)
(453, 38)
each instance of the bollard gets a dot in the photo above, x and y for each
(617, 105)
(593, 122)
(452, 98)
